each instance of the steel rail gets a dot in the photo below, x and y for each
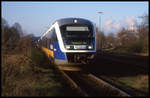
(109, 86)
(73, 84)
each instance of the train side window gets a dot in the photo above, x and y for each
(54, 37)
(44, 42)
(49, 38)
(49, 35)
(40, 42)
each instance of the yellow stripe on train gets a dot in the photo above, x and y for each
(48, 51)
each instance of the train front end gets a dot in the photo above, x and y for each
(78, 38)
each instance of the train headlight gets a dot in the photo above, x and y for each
(68, 47)
(75, 21)
(90, 47)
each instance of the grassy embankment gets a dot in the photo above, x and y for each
(134, 85)
(31, 76)
(121, 50)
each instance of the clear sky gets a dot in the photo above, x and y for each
(36, 17)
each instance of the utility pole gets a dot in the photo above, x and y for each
(100, 27)
(100, 21)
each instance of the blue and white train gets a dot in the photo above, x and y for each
(70, 42)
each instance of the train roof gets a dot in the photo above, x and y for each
(64, 21)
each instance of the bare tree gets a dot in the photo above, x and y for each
(18, 27)
(127, 37)
(25, 44)
(111, 41)
(143, 32)
(10, 36)
(122, 35)
(13, 37)
(4, 23)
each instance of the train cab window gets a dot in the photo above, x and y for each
(77, 33)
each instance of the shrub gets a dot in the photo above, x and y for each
(136, 47)
(40, 58)
(37, 56)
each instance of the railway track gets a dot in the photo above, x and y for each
(136, 65)
(128, 60)
(127, 63)
(89, 85)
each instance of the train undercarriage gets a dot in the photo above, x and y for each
(80, 57)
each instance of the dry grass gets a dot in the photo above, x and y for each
(139, 82)
(23, 77)
(135, 85)
(26, 71)
(15, 75)
(142, 54)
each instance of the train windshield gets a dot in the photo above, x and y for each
(77, 34)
